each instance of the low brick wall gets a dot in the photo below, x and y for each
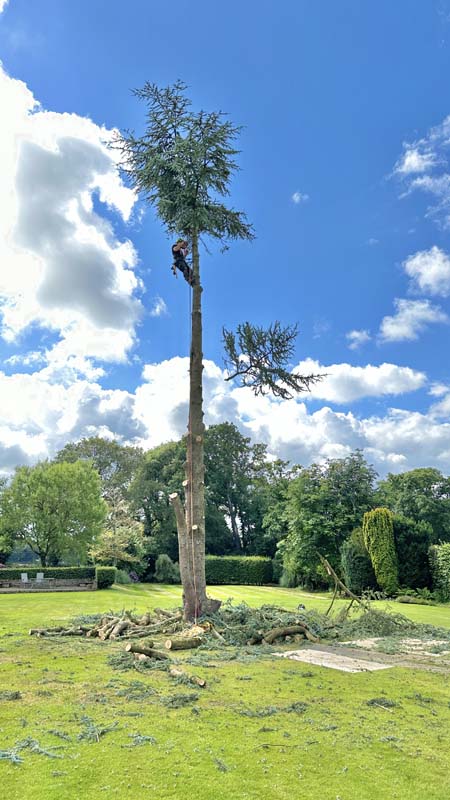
(47, 585)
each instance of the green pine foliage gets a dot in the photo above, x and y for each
(378, 534)
(439, 556)
(255, 570)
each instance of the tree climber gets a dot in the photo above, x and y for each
(179, 252)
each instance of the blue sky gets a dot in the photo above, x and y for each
(344, 175)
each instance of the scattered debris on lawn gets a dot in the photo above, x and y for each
(93, 732)
(10, 695)
(421, 647)
(238, 632)
(139, 739)
(332, 660)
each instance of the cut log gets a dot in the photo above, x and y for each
(178, 673)
(119, 628)
(131, 647)
(290, 630)
(183, 644)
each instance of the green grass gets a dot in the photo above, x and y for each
(237, 740)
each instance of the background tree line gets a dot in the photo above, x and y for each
(109, 503)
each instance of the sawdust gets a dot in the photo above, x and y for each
(333, 660)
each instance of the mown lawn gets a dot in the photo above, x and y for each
(262, 728)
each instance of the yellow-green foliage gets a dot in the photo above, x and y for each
(378, 533)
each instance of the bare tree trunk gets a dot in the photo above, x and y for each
(195, 472)
(191, 525)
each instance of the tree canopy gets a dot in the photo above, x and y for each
(56, 509)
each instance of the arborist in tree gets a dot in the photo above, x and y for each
(179, 252)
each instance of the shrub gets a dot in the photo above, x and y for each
(122, 576)
(413, 600)
(165, 570)
(105, 577)
(412, 542)
(378, 534)
(439, 555)
(255, 570)
(64, 573)
(356, 564)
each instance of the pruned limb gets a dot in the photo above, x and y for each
(174, 672)
(131, 647)
(290, 630)
(183, 643)
(330, 571)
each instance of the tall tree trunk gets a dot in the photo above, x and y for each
(195, 470)
(191, 528)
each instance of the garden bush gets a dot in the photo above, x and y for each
(64, 573)
(122, 577)
(412, 542)
(357, 567)
(166, 571)
(255, 570)
(378, 534)
(439, 555)
(105, 577)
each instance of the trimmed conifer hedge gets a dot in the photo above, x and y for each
(252, 570)
(64, 573)
(105, 577)
(439, 556)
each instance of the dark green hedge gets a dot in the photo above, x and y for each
(439, 555)
(238, 569)
(105, 577)
(64, 573)
(356, 564)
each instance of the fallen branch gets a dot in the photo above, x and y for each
(183, 644)
(290, 630)
(145, 651)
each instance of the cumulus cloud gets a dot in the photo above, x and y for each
(66, 269)
(429, 271)
(344, 383)
(3, 4)
(412, 317)
(39, 416)
(357, 338)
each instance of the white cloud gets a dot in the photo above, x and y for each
(39, 415)
(159, 308)
(423, 166)
(413, 160)
(66, 271)
(3, 4)
(357, 338)
(411, 318)
(344, 383)
(429, 271)
(299, 197)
